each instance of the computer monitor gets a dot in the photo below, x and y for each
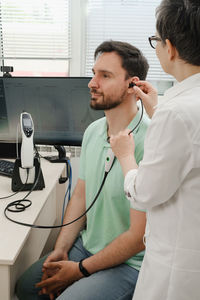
(59, 107)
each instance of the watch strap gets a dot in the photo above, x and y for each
(83, 270)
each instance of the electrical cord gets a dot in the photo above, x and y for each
(138, 123)
(17, 141)
(70, 179)
(13, 193)
(62, 180)
(20, 190)
(56, 226)
(68, 191)
(20, 205)
(141, 116)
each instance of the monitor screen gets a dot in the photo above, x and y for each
(59, 106)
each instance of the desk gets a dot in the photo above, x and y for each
(20, 246)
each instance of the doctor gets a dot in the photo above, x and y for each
(167, 181)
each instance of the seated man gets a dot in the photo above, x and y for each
(99, 256)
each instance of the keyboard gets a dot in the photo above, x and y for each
(6, 167)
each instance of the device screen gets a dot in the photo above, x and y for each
(27, 122)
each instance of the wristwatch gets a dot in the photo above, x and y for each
(83, 270)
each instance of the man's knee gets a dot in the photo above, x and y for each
(25, 287)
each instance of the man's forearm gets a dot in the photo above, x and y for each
(69, 233)
(117, 252)
(121, 248)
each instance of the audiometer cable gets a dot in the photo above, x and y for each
(110, 159)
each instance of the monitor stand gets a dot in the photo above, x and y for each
(61, 158)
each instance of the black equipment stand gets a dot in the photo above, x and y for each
(17, 184)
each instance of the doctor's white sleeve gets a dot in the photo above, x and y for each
(167, 161)
(129, 187)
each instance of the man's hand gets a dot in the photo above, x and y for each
(56, 256)
(64, 274)
(148, 94)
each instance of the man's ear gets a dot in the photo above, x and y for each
(171, 50)
(131, 83)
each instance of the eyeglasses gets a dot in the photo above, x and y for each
(153, 41)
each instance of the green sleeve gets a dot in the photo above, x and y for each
(83, 157)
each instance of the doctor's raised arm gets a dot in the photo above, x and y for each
(123, 143)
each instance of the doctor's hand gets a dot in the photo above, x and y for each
(65, 273)
(123, 147)
(148, 94)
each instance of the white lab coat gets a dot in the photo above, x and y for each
(167, 184)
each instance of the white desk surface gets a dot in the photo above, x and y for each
(13, 236)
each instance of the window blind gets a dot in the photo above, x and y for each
(39, 29)
(132, 21)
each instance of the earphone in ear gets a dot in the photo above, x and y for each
(131, 84)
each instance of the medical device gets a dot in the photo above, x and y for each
(27, 167)
(131, 84)
(110, 158)
(27, 149)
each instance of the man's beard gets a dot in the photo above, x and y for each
(106, 103)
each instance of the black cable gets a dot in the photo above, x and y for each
(12, 194)
(62, 225)
(19, 204)
(138, 123)
(20, 190)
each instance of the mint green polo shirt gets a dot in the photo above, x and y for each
(110, 215)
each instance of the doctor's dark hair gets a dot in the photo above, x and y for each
(133, 61)
(179, 22)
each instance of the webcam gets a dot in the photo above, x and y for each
(6, 71)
